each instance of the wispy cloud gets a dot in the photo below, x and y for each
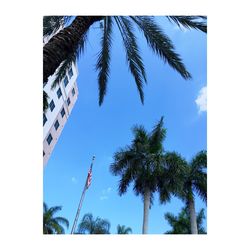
(103, 198)
(201, 100)
(105, 193)
(74, 180)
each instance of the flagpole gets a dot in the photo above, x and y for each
(81, 200)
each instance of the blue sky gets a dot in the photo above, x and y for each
(100, 131)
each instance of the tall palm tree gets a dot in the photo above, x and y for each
(91, 225)
(123, 229)
(181, 224)
(141, 163)
(66, 46)
(193, 178)
(51, 224)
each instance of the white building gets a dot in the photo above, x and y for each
(61, 101)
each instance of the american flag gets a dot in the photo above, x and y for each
(88, 182)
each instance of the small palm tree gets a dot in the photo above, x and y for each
(67, 45)
(93, 226)
(181, 224)
(51, 224)
(141, 163)
(193, 179)
(123, 229)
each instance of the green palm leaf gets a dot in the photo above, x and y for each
(45, 101)
(160, 44)
(103, 60)
(51, 24)
(171, 179)
(61, 220)
(93, 226)
(66, 64)
(134, 59)
(157, 136)
(51, 224)
(181, 224)
(64, 67)
(190, 22)
(123, 229)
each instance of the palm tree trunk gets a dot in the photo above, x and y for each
(193, 222)
(65, 43)
(146, 211)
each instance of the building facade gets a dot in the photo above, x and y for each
(61, 102)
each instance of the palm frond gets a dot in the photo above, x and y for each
(123, 229)
(66, 64)
(45, 101)
(134, 59)
(199, 161)
(172, 176)
(102, 226)
(125, 180)
(45, 207)
(200, 187)
(54, 210)
(190, 22)
(57, 228)
(61, 220)
(141, 139)
(200, 216)
(51, 24)
(181, 224)
(122, 159)
(171, 218)
(86, 223)
(157, 137)
(52, 224)
(93, 226)
(103, 60)
(161, 44)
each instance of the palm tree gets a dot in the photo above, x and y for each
(193, 179)
(93, 226)
(181, 224)
(141, 163)
(66, 46)
(51, 224)
(123, 229)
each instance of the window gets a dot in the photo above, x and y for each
(68, 101)
(63, 112)
(66, 81)
(73, 92)
(52, 105)
(49, 139)
(44, 119)
(59, 93)
(70, 73)
(56, 125)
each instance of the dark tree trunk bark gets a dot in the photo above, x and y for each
(65, 43)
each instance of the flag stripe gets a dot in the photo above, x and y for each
(89, 178)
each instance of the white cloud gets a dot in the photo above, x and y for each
(74, 180)
(103, 197)
(201, 100)
(105, 193)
